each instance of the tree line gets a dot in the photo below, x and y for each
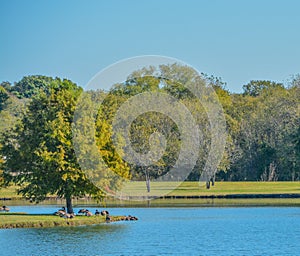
(39, 154)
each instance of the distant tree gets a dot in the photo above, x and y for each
(267, 126)
(255, 87)
(6, 85)
(4, 96)
(173, 80)
(215, 82)
(29, 86)
(295, 81)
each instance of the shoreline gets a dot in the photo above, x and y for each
(145, 198)
(24, 220)
(170, 202)
(186, 194)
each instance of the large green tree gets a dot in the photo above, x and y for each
(39, 153)
(173, 80)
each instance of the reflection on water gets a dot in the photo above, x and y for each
(179, 202)
(77, 240)
(83, 240)
(167, 231)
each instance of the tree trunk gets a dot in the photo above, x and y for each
(213, 180)
(208, 184)
(69, 204)
(147, 181)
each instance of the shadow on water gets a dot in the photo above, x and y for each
(82, 234)
(80, 240)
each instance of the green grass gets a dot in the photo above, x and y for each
(227, 188)
(23, 220)
(187, 189)
(9, 192)
(220, 188)
(198, 189)
(194, 189)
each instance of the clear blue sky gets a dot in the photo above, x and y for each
(236, 40)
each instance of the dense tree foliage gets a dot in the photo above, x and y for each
(267, 134)
(38, 151)
(30, 86)
(256, 87)
(262, 125)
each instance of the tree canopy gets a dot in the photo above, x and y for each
(37, 132)
(39, 152)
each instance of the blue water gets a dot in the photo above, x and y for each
(165, 231)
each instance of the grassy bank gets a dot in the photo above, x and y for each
(220, 188)
(228, 188)
(9, 192)
(189, 189)
(23, 220)
(195, 189)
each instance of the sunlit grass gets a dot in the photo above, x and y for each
(23, 220)
(9, 192)
(220, 188)
(193, 189)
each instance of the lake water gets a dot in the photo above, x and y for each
(165, 231)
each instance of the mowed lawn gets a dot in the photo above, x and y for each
(220, 188)
(9, 192)
(227, 188)
(193, 189)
